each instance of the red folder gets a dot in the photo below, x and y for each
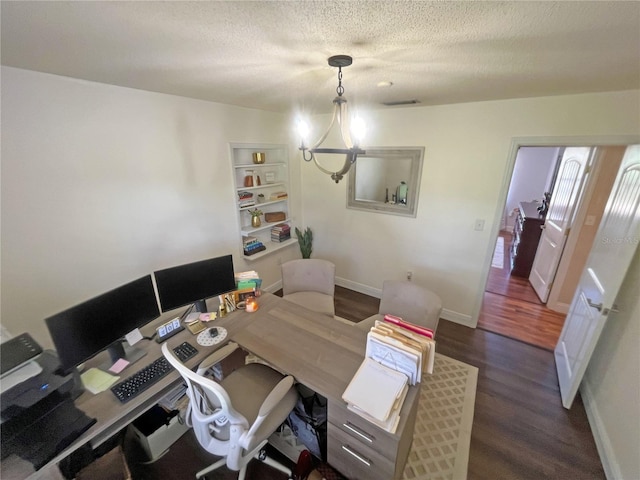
(427, 332)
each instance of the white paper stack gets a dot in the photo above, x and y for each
(377, 393)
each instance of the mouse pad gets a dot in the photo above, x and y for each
(205, 339)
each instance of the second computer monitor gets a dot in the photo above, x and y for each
(82, 331)
(194, 282)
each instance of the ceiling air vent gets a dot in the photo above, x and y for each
(400, 102)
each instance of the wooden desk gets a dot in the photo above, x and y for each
(318, 351)
(324, 354)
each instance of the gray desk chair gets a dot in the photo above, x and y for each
(310, 282)
(234, 418)
(409, 301)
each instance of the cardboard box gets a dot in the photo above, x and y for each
(157, 430)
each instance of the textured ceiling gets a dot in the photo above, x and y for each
(273, 55)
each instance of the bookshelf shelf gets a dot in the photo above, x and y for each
(269, 179)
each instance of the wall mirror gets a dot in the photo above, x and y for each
(386, 180)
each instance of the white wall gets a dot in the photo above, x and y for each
(531, 178)
(467, 149)
(611, 387)
(102, 184)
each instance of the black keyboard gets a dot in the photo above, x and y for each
(137, 383)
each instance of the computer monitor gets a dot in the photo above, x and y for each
(100, 323)
(194, 282)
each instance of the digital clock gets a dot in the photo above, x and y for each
(168, 330)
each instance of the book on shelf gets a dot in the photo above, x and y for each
(247, 239)
(252, 245)
(278, 195)
(280, 232)
(281, 227)
(253, 251)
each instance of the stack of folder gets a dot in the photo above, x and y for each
(397, 354)
(403, 346)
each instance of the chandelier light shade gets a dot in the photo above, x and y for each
(347, 128)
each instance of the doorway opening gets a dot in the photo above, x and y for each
(511, 306)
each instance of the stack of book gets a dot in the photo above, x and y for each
(280, 232)
(397, 355)
(278, 196)
(245, 199)
(248, 279)
(252, 245)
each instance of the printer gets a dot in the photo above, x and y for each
(37, 412)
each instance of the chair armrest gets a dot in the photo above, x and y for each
(274, 397)
(272, 401)
(216, 357)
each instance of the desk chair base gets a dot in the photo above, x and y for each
(259, 454)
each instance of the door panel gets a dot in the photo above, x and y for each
(612, 252)
(568, 187)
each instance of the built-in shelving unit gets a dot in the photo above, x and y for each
(264, 186)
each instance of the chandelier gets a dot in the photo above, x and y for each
(351, 150)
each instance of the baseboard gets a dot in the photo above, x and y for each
(559, 307)
(603, 443)
(274, 287)
(446, 314)
(457, 317)
(359, 287)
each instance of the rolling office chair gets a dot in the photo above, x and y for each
(235, 417)
(310, 282)
(409, 301)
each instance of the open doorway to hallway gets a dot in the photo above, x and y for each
(510, 305)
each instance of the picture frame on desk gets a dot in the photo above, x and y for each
(241, 295)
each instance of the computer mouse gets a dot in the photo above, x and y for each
(213, 332)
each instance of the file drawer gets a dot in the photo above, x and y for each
(354, 459)
(361, 429)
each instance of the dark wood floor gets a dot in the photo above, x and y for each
(520, 429)
(511, 307)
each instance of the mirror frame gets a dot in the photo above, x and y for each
(416, 155)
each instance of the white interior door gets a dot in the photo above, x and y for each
(613, 249)
(566, 192)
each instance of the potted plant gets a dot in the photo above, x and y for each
(255, 217)
(305, 241)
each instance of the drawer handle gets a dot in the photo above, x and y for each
(358, 432)
(359, 457)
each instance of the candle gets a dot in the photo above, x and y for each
(251, 304)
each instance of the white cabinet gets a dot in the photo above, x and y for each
(264, 186)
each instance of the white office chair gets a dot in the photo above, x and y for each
(411, 302)
(310, 282)
(235, 417)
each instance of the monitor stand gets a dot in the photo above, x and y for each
(123, 350)
(200, 306)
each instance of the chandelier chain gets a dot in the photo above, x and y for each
(340, 88)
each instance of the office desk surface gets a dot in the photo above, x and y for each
(318, 351)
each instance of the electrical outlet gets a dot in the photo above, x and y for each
(479, 225)
(409, 275)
